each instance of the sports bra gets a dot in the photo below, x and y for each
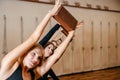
(17, 75)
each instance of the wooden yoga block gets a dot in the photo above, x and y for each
(64, 32)
(67, 21)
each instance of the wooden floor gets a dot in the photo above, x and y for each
(107, 74)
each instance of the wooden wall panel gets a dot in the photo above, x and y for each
(77, 51)
(112, 52)
(96, 55)
(104, 53)
(67, 60)
(1, 31)
(1, 36)
(13, 32)
(87, 46)
(58, 67)
(118, 43)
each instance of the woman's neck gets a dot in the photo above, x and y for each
(26, 73)
(25, 68)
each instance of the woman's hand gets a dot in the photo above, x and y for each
(79, 24)
(71, 33)
(56, 7)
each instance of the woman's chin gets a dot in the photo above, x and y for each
(30, 66)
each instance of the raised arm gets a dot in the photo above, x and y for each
(57, 54)
(10, 59)
(49, 35)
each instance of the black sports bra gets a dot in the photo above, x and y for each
(17, 75)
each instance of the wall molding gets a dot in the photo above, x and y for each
(77, 5)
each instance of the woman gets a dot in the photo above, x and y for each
(50, 47)
(27, 56)
(25, 60)
(43, 43)
(51, 58)
(49, 50)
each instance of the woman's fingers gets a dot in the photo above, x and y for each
(79, 24)
(57, 2)
(56, 7)
(71, 32)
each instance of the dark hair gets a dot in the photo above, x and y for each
(60, 41)
(49, 43)
(38, 46)
(55, 46)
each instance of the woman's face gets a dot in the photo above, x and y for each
(33, 58)
(49, 50)
(59, 42)
(55, 43)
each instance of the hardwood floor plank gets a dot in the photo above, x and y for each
(106, 74)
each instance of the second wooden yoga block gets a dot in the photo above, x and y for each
(67, 21)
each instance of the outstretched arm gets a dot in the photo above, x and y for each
(57, 54)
